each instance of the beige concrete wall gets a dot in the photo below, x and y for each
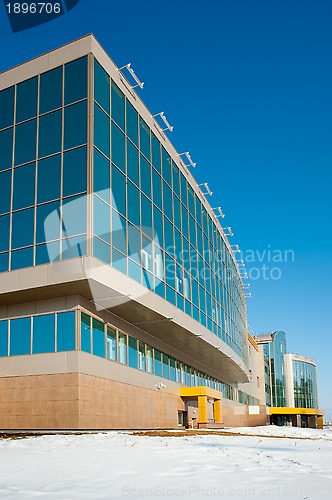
(80, 401)
(237, 415)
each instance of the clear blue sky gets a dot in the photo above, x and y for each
(247, 86)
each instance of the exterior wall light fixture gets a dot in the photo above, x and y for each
(206, 189)
(220, 212)
(133, 74)
(187, 155)
(166, 122)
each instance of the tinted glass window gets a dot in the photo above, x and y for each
(4, 262)
(20, 336)
(43, 334)
(6, 148)
(101, 176)
(76, 80)
(119, 190)
(5, 186)
(132, 352)
(49, 179)
(132, 162)
(156, 153)
(98, 338)
(102, 131)
(75, 125)
(101, 250)
(118, 147)
(101, 216)
(3, 338)
(25, 142)
(74, 216)
(26, 99)
(48, 222)
(74, 247)
(23, 228)
(50, 134)
(65, 331)
(24, 186)
(119, 232)
(118, 102)
(22, 258)
(102, 87)
(133, 205)
(144, 139)
(50, 90)
(7, 107)
(145, 176)
(111, 343)
(4, 233)
(48, 252)
(132, 123)
(85, 333)
(74, 171)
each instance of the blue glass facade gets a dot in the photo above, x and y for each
(274, 353)
(43, 167)
(305, 385)
(150, 224)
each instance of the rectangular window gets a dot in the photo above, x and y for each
(101, 176)
(102, 131)
(156, 160)
(165, 366)
(132, 163)
(22, 231)
(111, 343)
(132, 123)
(144, 139)
(98, 338)
(119, 191)
(48, 222)
(26, 99)
(24, 186)
(132, 352)
(118, 147)
(50, 134)
(172, 374)
(102, 87)
(3, 338)
(101, 217)
(74, 216)
(6, 148)
(158, 367)
(74, 171)
(85, 333)
(22, 258)
(65, 331)
(119, 232)
(5, 187)
(134, 243)
(76, 80)
(50, 90)
(149, 359)
(25, 142)
(4, 233)
(122, 348)
(141, 356)
(43, 335)
(166, 166)
(146, 216)
(48, 187)
(20, 331)
(118, 105)
(133, 195)
(7, 107)
(145, 176)
(75, 125)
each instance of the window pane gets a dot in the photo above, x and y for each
(146, 216)
(6, 148)
(119, 190)
(74, 171)
(102, 87)
(23, 228)
(157, 190)
(132, 352)
(102, 131)
(133, 205)
(20, 336)
(43, 334)
(144, 139)
(5, 186)
(22, 258)
(145, 176)
(75, 125)
(48, 187)
(74, 216)
(111, 344)
(26, 99)
(119, 261)
(4, 233)
(3, 338)
(166, 165)
(85, 333)
(7, 107)
(158, 368)
(25, 142)
(48, 226)
(4, 264)
(50, 134)
(132, 163)
(49, 252)
(50, 90)
(65, 331)
(118, 101)
(134, 243)
(101, 176)
(132, 123)
(118, 232)
(98, 338)
(101, 217)
(156, 153)
(74, 247)
(122, 348)
(24, 186)
(158, 227)
(118, 147)
(76, 80)
(141, 356)
(101, 250)
(134, 271)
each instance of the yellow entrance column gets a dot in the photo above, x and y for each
(217, 411)
(202, 409)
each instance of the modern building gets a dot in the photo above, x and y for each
(121, 302)
(290, 384)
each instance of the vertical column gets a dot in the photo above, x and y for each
(217, 411)
(202, 409)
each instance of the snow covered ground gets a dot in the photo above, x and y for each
(118, 465)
